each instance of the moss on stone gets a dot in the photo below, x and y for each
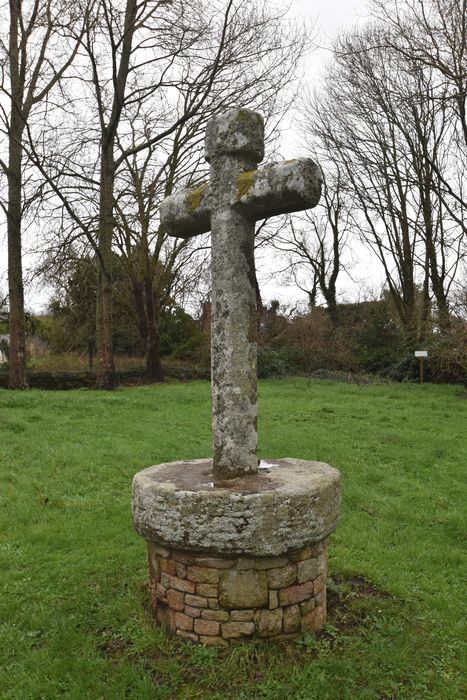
(245, 182)
(195, 196)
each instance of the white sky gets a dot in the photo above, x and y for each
(328, 16)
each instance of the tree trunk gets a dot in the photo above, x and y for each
(17, 372)
(105, 360)
(154, 372)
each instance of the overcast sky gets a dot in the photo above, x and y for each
(328, 16)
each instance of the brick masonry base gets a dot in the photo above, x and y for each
(217, 600)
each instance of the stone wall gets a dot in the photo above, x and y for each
(216, 600)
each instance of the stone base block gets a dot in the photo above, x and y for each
(217, 600)
(237, 559)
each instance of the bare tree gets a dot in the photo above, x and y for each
(31, 67)
(379, 120)
(314, 245)
(157, 72)
(432, 35)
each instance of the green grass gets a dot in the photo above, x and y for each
(74, 620)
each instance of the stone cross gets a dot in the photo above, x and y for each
(236, 197)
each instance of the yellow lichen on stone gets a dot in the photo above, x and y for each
(245, 182)
(195, 196)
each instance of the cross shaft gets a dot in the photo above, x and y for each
(236, 197)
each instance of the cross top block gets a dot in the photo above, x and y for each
(238, 132)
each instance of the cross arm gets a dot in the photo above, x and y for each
(279, 188)
(186, 213)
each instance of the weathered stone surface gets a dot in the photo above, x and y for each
(295, 504)
(165, 580)
(270, 562)
(307, 606)
(319, 584)
(216, 562)
(243, 589)
(209, 590)
(292, 619)
(206, 627)
(153, 563)
(236, 630)
(313, 620)
(238, 132)
(192, 612)
(181, 584)
(295, 594)
(284, 576)
(168, 566)
(183, 622)
(203, 574)
(269, 622)
(196, 601)
(176, 599)
(187, 635)
(218, 615)
(307, 570)
(245, 563)
(160, 551)
(206, 512)
(273, 599)
(302, 554)
(277, 611)
(242, 615)
(236, 197)
(278, 188)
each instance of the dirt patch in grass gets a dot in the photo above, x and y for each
(351, 603)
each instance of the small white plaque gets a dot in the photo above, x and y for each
(421, 353)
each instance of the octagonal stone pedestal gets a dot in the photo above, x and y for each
(241, 558)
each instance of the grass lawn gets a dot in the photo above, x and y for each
(74, 620)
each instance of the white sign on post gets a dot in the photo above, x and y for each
(421, 353)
